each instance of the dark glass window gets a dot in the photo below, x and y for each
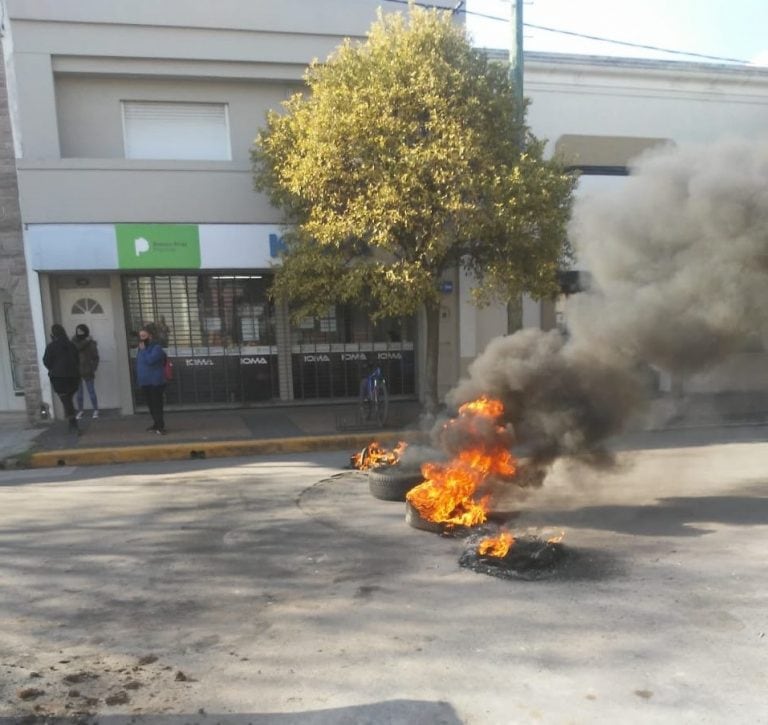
(218, 328)
(333, 352)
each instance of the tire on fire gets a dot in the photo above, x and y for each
(413, 518)
(390, 483)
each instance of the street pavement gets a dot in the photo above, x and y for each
(276, 590)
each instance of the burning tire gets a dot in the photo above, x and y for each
(390, 483)
(413, 518)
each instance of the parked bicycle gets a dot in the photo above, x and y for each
(374, 397)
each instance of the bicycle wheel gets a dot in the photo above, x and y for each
(364, 408)
(381, 402)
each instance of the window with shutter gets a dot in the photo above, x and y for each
(182, 131)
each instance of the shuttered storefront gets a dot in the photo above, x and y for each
(219, 330)
(222, 333)
(331, 354)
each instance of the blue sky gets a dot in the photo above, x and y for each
(725, 28)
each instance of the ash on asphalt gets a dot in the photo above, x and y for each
(529, 558)
(533, 559)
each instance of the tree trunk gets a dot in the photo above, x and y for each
(432, 357)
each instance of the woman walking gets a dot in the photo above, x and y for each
(89, 361)
(150, 375)
(62, 361)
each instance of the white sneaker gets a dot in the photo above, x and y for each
(79, 415)
(95, 414)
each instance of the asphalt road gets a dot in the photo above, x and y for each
(279, 591)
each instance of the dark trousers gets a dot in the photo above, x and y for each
(65, 388)
(154, 397)
(69, 406)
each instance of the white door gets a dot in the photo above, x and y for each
(93, 307)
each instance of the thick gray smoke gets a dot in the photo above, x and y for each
(560, 398)
(678, 255)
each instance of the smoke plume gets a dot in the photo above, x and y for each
(678, 256)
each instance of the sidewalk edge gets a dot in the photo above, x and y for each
(209, 449)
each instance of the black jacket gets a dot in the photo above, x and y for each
(89, 356)
(63, 363)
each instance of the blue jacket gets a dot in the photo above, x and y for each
(150, 364)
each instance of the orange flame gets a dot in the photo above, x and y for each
(483, 405)
(556, 539)
(449, 493)
(496, 545)
(374, 455)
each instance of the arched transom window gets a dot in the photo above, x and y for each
(86, 304)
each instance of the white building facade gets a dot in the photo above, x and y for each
(600, 113)
(133, 125)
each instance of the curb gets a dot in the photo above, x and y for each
(209, 449)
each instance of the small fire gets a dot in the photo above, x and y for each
(483, 406)
(452, 492)
(374, 455)
(496, 545)
(556, 539)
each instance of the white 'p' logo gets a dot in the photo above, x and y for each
(140, 246)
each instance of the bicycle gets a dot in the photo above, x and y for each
(374, 397)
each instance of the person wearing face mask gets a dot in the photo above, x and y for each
(150, 375)
(89, 361)
(62, 362)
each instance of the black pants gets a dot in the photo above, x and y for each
(154, 396)
(66, 388)
(69, 406)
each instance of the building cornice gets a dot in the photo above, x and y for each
(596, 63)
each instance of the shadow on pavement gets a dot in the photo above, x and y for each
(27, 476)
(670, 516)
(692, 437)
(392, 712)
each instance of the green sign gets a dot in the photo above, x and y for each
(158, 246)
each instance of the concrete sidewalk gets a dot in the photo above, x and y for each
(16, 436)
(114, 438)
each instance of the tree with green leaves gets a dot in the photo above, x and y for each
(408, 158)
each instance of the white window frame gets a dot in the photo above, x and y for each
(227, 147)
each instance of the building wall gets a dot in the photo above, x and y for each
(92, 191)
(93, 182)
(90, 122)
(604, 111)
(75, 61)
(13, 280)
(684, 102)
